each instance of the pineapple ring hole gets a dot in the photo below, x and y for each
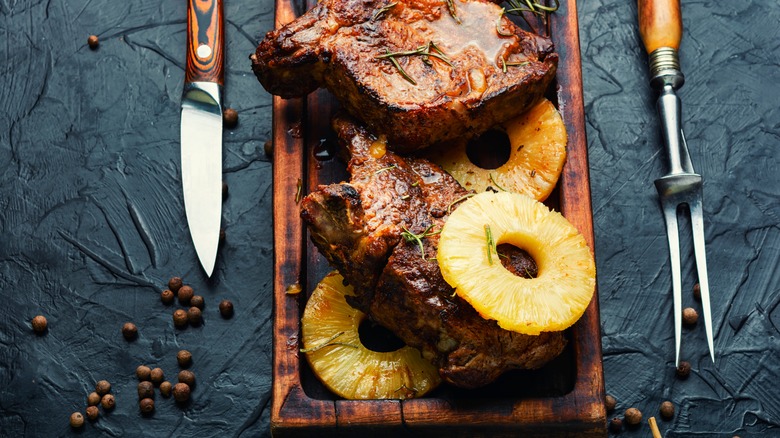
(377, 338)
(490, 150)
(517, 260)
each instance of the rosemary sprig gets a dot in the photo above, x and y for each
(518, 8)
(385, 169)
(464, 197)
(499, 28)
(491, 244)
(327, 343)
(496, 184)
(381, 11)
(424, 51)
(417, 238)
(453, 12)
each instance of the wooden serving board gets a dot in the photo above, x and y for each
(565, 398)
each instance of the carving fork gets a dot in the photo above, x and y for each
(660, 26)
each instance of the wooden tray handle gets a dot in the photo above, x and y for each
(660, 24)
(205, 41)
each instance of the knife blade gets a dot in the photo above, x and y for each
(201, 128)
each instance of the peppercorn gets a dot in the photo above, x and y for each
(184, 358)
(690, 316)
(146, 405)
(697, 292)
(92, 413)
(222, 236)
(226, 308)
(230, 118)
(610, 403)
(185, 295)
(195, 316)
(102, 387)
(165, 389)
(667, 410)
(39, 324)
(268, 148)
(93, 42)
(93, 399)
(167, 296)
(129, 331)
(157, 376)
(225, 190)
(181, 392)
(188, 377)
(683, 369)
(180, 318)
(143, 372)
(145, 390)
(76, 420)
(198, 301)
(108, 402)
(633, 416)
(615, 425)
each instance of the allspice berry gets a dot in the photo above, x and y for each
(108, 402)
(93, 41)
(76, 420)
(697, 292)
(683, 369)
(92, 413)
(225, 190)
(129, 331)
(195, 316)
(180, 318)
(226, 308)
(268, 148)
(616, 425)
(165, 389)
(633, 416)
(167, 296)
(39, 324)
(230, 118)
(102, 387)
(146, 405)
(175, 283)
(188, 377)
(143, 372)
(181, 392)
(157, 376)
(185, 295)
(93, 399)
(667, 410)
(145, 390)
(184, 358)
(197, 301)
(610, 403)
(690, 316)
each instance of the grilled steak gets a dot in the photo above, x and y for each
(407, 68)
(364, 229)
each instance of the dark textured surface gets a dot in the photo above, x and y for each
(92, 223)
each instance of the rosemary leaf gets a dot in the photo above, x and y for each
(299, 191)
(417, 238)
(499, 28)
(381, 11)
(490, 243)
(464, 197)
(385, 169)
(453, 12)
(496, 184)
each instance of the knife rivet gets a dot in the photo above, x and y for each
(204, 51)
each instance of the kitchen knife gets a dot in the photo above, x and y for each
(201, 128)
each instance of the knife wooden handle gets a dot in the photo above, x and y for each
(660, 23)
(205, 41)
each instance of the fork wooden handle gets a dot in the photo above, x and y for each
(660, 24)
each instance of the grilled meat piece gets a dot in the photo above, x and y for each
(451, 79)
(360, 227)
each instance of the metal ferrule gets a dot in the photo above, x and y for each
(665, 69)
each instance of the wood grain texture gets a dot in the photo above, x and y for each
(660, 23)
(205, 29)
(565, 398)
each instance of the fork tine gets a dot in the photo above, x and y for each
(670, 215)
(697, 225)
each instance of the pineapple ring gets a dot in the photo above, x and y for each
(342, 363)
(537, 152)
(566, 280)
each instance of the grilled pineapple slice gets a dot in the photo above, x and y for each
(343, 364)
(537, 153)
(566, 279)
